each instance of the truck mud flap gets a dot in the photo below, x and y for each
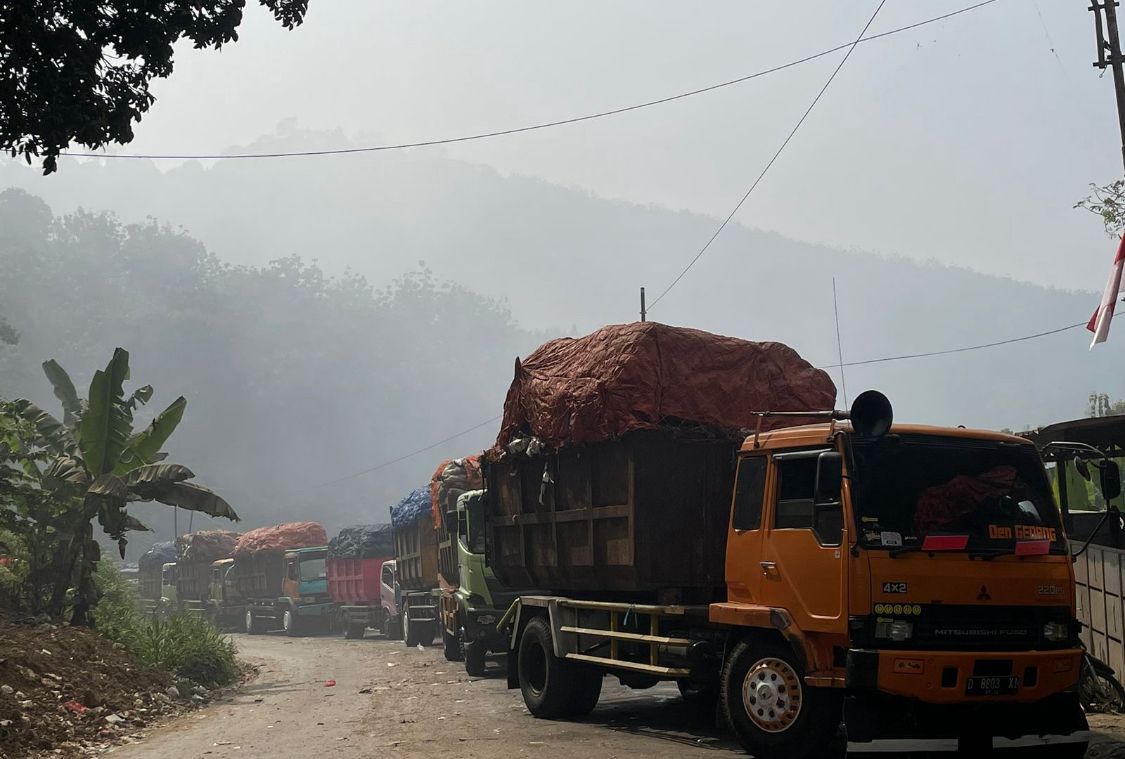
(878, 726)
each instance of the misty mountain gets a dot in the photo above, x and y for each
(345, 352)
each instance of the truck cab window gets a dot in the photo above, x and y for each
(796, 483)
(291, 570)
(749, 493)
(388, 577)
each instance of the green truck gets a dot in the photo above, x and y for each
(471, 609)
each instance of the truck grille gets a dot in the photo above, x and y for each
(941, 626)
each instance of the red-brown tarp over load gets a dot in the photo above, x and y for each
(282, 537)
(646, 375)
(206, 545)
(452, 478)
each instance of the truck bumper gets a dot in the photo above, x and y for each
(941, 677)
(889, 726)
(480, 627)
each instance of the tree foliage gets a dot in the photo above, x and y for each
(81, 72)
(1100, 405)
(1108, 203)
(57, 477)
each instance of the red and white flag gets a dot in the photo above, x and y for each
(1099, 322)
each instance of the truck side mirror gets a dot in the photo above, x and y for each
(829, 475)
(1110, 475)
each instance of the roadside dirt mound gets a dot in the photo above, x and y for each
(66, 688)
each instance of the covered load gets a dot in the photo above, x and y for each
(452, 479)
(647, 375)
(366, 541)
(206, 546)
(615, 464)
(282, 537)
(415, 506)
(157, 556)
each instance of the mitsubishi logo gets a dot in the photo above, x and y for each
(983, 595)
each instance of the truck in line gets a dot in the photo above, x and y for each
(910, 584)
(416, 568)
(361, 580)
(279, 579)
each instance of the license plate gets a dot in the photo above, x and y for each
(1004, 685)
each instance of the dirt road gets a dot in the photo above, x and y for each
(391, 700)
(417, 705)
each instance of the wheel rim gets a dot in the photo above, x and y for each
(772, 695)
(249, 621)
(287, 620)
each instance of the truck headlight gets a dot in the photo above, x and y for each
(1056, 632)
(897, 630)
(486, 619)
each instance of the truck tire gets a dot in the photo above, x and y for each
(770, 709)
(392, 628)
(587, 691)
(546, 681)
(452, 646)
(416, 633)
(476, 658)
(354, 630)
(290, 623)
(252, 626)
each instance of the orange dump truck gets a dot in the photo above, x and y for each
(815, 570)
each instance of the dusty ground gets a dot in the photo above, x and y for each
(389, 700)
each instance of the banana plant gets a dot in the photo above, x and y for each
(99, 464)
(102, 460)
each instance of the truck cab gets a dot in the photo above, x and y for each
(305, 590)
(922, 578)
(470, 613)
(388, 597)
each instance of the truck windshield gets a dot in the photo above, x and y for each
(474, 511)
(313, 569)
(906, 488)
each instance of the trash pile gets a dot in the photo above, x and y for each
(364, 541)
(283, 537)
(68, 690)
(411, 508)
(206, 546)
(452, 478)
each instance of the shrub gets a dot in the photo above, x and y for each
(186, 645)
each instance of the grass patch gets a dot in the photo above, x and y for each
(186, 645)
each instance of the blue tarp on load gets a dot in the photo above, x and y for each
(412, 508)
(157, 556)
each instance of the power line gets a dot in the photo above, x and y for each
(906, 356)
(903, 357)
(776, 155)
(405, 456)
(531, 127)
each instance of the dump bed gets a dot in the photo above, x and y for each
(259, 575)
(416, 555)
(646, 514)
(149, 583)
(193, 580)
(354, 581)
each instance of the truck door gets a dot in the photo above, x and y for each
(387, 589)
(803, 567)
(292, 585)
(744, 543)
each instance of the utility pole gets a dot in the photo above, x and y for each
(644, 314)
(1109, 54)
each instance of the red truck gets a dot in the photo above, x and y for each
(358, 570)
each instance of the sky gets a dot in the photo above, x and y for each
(966, 141)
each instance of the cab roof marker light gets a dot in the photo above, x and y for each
(945, 543)
(1033, 547)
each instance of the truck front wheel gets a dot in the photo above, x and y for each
(546, 681)
(252, 626)
(770, 709)
(290, 623)
(476, 658)
(452, 646)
